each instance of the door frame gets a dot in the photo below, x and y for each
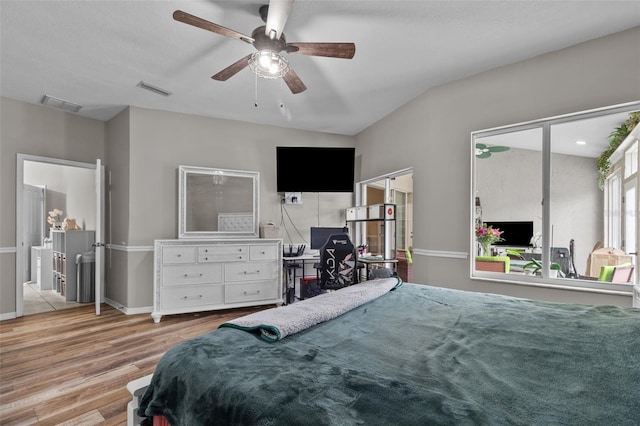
(26, 247)
(21, 158)
(361, 199)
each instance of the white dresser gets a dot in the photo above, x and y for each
(203, 275)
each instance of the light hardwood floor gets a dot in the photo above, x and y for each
(71, 367)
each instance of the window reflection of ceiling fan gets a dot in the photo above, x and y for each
(484, 151)
(270, 41)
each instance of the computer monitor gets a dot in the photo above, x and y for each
(320, 235)
(514, 233)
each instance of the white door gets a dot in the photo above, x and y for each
(99, 243)
(33, 214)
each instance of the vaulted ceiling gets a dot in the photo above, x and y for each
(94, 53)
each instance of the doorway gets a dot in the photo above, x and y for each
(42, 185)
(395, 188)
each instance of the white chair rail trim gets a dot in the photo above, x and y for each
(119, 247)
(440, 253)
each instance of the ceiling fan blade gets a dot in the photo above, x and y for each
(498, 148)
(486, 154)
(293, 81)
(187, 18)
(279, 11)
(331, 50)
(232, 69)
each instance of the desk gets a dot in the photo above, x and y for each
(290, 266)
(368, 262)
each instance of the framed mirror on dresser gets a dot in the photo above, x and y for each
(218, 203)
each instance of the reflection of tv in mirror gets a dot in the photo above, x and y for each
(515, 234)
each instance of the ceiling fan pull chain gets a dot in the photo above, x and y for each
(281, 97)
(256, 92)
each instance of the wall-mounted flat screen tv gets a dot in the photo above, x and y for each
(314, 169)
(514, 233)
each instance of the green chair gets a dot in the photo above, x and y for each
(620, 274)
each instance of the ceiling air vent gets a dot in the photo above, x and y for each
(60, 104)
(154, 89)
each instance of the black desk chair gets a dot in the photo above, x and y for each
(338, 263)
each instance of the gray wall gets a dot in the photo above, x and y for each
(435, 128)
(144, 148)
(153, 144)
(35, 130)
(70, 189)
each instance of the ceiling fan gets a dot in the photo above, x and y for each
(270, 41)
(484, 151)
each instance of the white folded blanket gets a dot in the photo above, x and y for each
(277, 323)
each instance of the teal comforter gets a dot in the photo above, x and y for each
(418, 355)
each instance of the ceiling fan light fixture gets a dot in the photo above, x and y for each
(268, 64)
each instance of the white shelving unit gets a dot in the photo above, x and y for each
(66, 245)
(378, 233)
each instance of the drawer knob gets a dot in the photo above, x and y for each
(251, 272)
(179, 255)
(206, 258)
(246, 293)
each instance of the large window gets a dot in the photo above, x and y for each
(538, 184)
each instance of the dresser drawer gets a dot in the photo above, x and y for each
(172, 255)
(249, 271)
(247, 292)
(194, 295)
(192, 274)
(266, 252)
(223, 253)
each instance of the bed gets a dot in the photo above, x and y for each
(415, 354)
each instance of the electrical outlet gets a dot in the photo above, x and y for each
(293, 197)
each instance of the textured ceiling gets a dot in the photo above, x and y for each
(95, 52)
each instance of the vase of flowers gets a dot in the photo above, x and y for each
(54, 218)
(486, 236)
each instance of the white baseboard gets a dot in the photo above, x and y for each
(129, 311)
(8, 316)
